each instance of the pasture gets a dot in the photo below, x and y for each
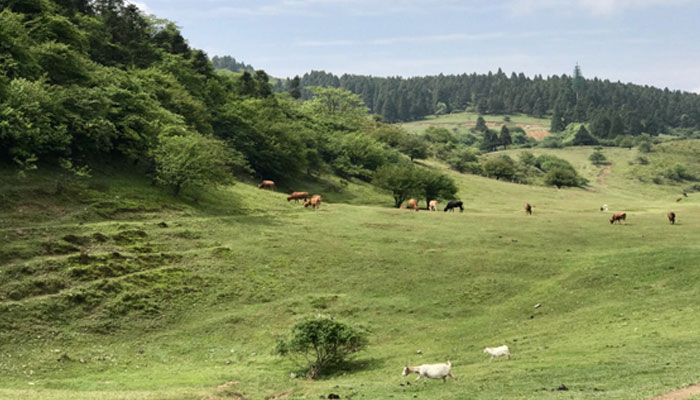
(112, 289)
(462, 122)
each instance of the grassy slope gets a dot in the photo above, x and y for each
(184, 308)
(465, 120)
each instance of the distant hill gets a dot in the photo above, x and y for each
(230, 63)
(612, 108)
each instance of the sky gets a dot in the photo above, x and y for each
(647, 42)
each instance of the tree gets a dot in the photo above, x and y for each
(440, 108)
(500, 167)
(414, 146)
(583, 137)
(402, 180)
(557, 121)
(490, 141)
(190, 161)
(597, 158)
(559, 177)
(294, 87)
(504, 137)
(644, 143)
(437, 185)
(480, 125)
(323, 342)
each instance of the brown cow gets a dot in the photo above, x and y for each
(671, 217)
(528, 208)
(432, 206)
(267, 185)
(412, 203)
(679, 199)
(618, 217)
(296, 196)
(314, 201)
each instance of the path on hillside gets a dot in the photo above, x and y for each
(602, 174)
(680, 394)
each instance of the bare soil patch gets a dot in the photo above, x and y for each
(680, 394)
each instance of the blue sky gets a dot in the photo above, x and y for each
(648, 42)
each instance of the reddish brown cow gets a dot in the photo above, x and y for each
(671, 217)
(314, 201)
(296, 196)
(267, 185)
(528, 208)
(618, 217)
(412, 203)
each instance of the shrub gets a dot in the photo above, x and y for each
(323, 342)
(500, 167)
(559, 177)
(598, 158)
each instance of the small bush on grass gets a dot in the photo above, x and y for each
(323, 342)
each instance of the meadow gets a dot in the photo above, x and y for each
(464, 121)
(110, 288)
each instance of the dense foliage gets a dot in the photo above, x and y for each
(612, 108)
(323, 342)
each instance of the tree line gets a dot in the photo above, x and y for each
(87, 82)
(612, 108)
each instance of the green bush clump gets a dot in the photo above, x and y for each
(323, 342)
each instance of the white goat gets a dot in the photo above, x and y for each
(432, 371)
(497, 351)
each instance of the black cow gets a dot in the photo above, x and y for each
(454, 204)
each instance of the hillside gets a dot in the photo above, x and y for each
(537, 128)
(113, 289)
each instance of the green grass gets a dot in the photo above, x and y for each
(465, 120)
(100, 300)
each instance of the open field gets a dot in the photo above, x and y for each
(112, 289)
(535, 127)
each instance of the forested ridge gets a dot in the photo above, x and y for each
(612, 108)
(85, 82)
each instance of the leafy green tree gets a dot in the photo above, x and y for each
(504, 138)
(480, 125)
(436, 185)
(464, 159)
(500, 167)
(402, 180)
(323, 342)
(356, 154)
(644, 143)
(490, 140)
(527, 158)
(597, 158)
(561, 177)
(440, 108)
(190, 161)
(414, 146)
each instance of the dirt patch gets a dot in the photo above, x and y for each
(680, 394)
(602, 174)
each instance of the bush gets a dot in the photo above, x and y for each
(500, 167)
(559, 177)
(190, 161)
(323, 342)
(597, 158)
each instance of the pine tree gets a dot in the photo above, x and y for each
(505, 138)
(294, 87)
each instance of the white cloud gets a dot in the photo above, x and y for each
(595, 7)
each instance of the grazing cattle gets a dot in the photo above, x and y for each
(412, 203)
(267, 185)
(618, 217)
(432, 371)
(314, 201)
(432, 206)
(454, 204)
(679, 199)
(497, 351)
(604, 207)
(528, 208)
(296, 196)
(671, 217)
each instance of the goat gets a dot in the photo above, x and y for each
(497, 351)
(432, 206)
(432, 371)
